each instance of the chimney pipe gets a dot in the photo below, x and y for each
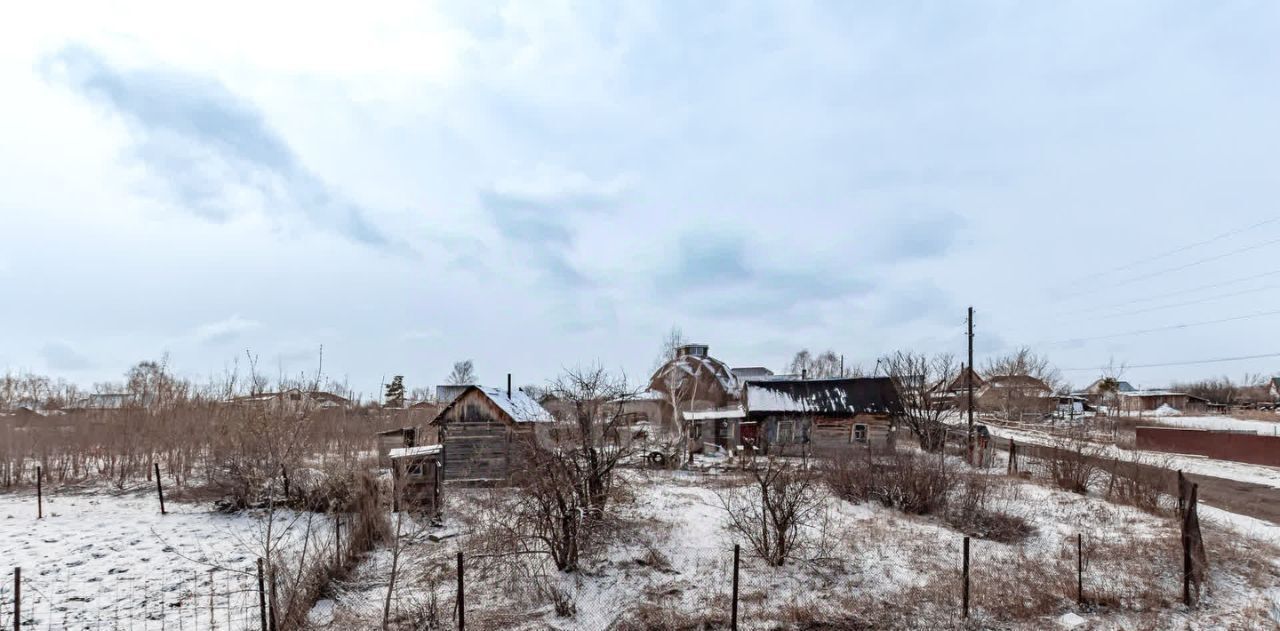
(508, 385)
(804, 373)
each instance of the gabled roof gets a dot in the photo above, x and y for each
(1017, 381)
(520, 407)
(874, 395)
(745, 373)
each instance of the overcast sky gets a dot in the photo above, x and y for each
(541, 184)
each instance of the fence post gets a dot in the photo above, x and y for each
(271, 597)
(966, 577)
(262, 597)
(733, 624)
(337, 540)
(1079, 569)
(159, 488)
(39, 493)
(17, 599)
(462, 608)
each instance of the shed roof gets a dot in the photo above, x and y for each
(709, 415)
(875, 395)
(409, 452)
(519, 406)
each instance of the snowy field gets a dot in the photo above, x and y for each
(100, 559)
(669, 560)
(1227, 423)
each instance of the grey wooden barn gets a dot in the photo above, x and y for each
(486, 431)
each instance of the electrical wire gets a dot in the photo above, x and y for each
(1189, 290)
(1179, 250)
(1180, 363)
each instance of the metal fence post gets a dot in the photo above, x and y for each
(262, 597)
(1079, 568)
(159, 488)
(462, 608)
(17, 599)
(39, 493)
(966, 577)
(733, 624)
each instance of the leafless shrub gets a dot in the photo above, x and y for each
(920, 381)
(1073, 464)
(769, 513)
(906, 481)
(969, 511)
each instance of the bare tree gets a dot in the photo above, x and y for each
(769, 513)
(824, 365)
(920, 380)
(570, 474)
(464, 374)
(673, 340)
(1025, 363)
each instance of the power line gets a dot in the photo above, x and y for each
(1181, 363)
(1184, 303)
(1169, 270)
(1164, 328)
(1167, 294)
(1179, 250)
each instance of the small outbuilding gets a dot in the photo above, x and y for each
(416, 473)
(485, 432)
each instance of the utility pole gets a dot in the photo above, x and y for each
(969, 378)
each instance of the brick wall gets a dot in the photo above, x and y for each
(1250, 448)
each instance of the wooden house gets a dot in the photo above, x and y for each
(417, 477)
(485, 430)
(1140, 401)
(805, 415)
(1016, 396)
(395, 439)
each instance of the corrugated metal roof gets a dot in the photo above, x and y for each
(874, 395)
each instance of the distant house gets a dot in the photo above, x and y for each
(799, 416)
(293, 401)
(108, 401)
(1274, 387)
(485, 430)
(1140, 401)
(693, 381)
(746, 373)
(1095, 389)
(1014, 396)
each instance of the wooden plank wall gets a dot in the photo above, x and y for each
(479, 443)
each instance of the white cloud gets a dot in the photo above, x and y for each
(224, 331)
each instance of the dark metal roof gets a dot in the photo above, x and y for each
(834, 397)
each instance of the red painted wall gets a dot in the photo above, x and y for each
(1250, 448)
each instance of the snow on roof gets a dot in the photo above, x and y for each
(408, 452)
(519, 406)
(875, 395)
(710, 415)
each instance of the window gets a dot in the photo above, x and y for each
(415, 469)
(859, 433)
(786, 431)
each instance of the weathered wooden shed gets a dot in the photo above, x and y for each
(485, 432)
(804, 415)
(416, 472)
(395, 439)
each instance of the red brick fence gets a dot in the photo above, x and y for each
(1237, 446)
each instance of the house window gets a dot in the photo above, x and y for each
(415, 469)
(295, 396)
(786, 431)
(859, 433)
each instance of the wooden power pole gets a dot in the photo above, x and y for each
(969, 379)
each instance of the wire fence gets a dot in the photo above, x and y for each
(63, 599)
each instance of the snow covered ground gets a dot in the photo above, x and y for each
(669, 565)
(1269, 428)
(109, 560)
(1257, 474)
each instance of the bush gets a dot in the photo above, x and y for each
(905, 481)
